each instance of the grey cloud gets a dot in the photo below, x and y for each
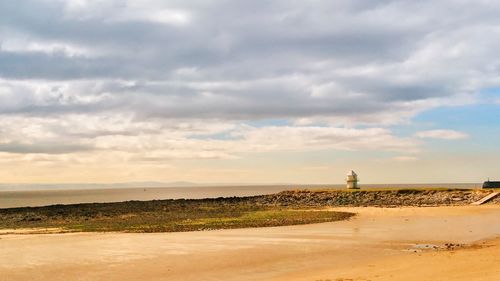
(247, 59)
(225, 34)
(43, 148)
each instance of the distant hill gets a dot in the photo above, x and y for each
(143, 184)
(71, 186)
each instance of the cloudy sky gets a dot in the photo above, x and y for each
(249, 91)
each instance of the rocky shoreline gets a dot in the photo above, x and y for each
(378, 198)
(283, 208)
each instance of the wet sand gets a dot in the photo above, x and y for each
(379, 244)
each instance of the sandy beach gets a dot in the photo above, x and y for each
(378, 244)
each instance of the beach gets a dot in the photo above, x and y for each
(408, 243)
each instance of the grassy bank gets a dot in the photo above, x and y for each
(162, 216)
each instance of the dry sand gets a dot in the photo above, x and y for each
(379, 244)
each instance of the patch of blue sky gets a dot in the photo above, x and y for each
(489, 95)
(480, 121)
(268, 123)
(479, 118)
(227, 135)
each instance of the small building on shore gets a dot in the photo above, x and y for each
(352, 180)
(491, 184)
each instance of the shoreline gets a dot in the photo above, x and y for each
(34, 198)
(180, 215)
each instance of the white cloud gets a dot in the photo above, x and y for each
(304, 138)
(404, 158)
(154, 80)
(156, 140)
(442, 134)
(152, 14)
(21, 44)
(124, 11)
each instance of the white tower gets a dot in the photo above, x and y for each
(352, 180)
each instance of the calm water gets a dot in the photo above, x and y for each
(9, 199)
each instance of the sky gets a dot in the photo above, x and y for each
(227, 91)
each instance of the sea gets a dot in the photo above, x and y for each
(11, 198)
